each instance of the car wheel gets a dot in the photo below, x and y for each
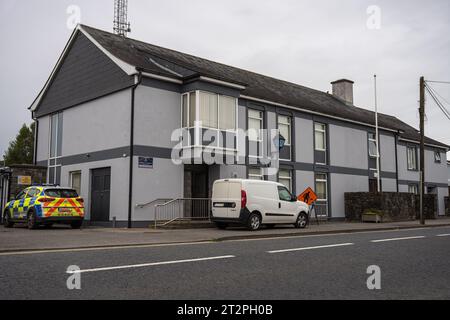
(31, 221)
(76, 224)
(254, 222)
(221, 226)
(7, 223)
(302, 221)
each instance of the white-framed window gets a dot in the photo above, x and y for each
(207, 110)
(75, 181)
(373, 153)
(55, 146)
(255, 125)
(284, 125)
(285, 178)
(255, 174)
(413, 188)
(320, 136)
(437, 156)
(321, 186)
(411, 155)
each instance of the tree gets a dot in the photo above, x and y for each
(20, 150)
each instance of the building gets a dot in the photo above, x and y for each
(107, 112)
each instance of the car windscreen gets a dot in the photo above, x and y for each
(61, 193)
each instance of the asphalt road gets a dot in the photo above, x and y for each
(414, 264)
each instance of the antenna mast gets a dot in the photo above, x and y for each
(121, 25)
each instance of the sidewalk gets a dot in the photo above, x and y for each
(22, 239)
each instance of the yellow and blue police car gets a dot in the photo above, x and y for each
(45, 205)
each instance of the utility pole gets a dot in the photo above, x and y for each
(422, 145)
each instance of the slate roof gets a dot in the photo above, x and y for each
(170, 63)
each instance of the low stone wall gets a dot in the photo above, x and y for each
(447, 206)
(394, 206)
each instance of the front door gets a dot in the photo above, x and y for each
(100, 194)
(196, 187)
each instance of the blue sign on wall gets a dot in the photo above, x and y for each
(146, 162)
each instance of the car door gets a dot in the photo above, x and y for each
(286, 207)
(18, 203)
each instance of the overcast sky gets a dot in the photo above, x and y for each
(307, 42)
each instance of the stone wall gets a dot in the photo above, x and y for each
(38, 175)
(394, 206)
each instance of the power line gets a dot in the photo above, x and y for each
(436, 100)
(437, 93)
(435, 81)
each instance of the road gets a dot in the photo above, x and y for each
(414, 264)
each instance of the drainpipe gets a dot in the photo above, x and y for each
(130, 190)
(36, 133)
(396, 160)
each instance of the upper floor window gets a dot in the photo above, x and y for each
(411, 155)
(437, 157)
(284, 125)
(320, 131)
(373, 145)
(55, 149)
(215, 111)
(255, 125)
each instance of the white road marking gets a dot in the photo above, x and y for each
(150, 264)
(311, 248)
(396, 239)
(443, 235)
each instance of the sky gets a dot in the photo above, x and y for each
(311, 43)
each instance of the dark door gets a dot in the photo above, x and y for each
(100, 194)
(196, 186)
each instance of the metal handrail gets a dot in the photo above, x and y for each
(143, 205)
(182, 209)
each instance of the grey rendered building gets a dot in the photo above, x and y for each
(107, 112)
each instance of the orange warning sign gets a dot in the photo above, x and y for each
(308, 196)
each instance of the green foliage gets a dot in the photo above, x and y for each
(20, 150)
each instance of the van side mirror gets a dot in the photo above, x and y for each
(294, 199)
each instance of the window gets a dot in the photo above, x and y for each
(75, 181)
(437, 157)
(32, 193)
(321, 186)
(373, 152)
(227, 113)
(320, 136)
(411, 154)
(61, 193)
(284, 194)
(285, 178)
(21, 195)
(54, 161)
(284, 125)
(255, 124)
(255, 174)
(413, 188)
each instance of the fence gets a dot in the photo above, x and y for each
(183, 209)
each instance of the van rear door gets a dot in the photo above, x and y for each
(226, 200)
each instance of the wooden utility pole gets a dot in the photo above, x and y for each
(422, 149)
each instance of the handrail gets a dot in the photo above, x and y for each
(179, 199)
(140, 206)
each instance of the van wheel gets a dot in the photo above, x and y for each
(31, 221)
(7, 223)
(254, 222)
(302, 221)
(221, 226)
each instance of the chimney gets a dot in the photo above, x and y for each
(343, 89)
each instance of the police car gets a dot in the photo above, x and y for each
(45, 205)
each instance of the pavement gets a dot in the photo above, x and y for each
(62, 237)
(410, 264)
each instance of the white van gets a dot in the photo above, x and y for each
(253, 203)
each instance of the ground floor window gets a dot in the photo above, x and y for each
(255, 174)
(75, 181)
(413, 188)
(285, 178)
(321, 182)
(54, 174)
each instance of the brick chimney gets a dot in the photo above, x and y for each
(343, 89)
